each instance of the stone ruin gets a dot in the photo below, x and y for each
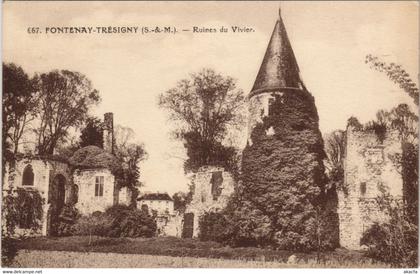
(213, 187)
(368, 171)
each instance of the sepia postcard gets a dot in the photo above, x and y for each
(201, 134)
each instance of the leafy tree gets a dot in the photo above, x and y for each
(19, 107)
(130, 154)
(204, 107)
(65, 98)
(396, 241)
(334, 149)
(92, 133)
(180, 201)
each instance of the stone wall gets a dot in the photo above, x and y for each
(44, 171)
(173, 226)
(213, 187)
(368, 169)
(87, 201)
(124, 196)
(258, 108)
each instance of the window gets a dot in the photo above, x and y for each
(75, 193)
(99, 186)
(28, 176)
(363, 188)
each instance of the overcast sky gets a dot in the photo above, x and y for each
(330, 41)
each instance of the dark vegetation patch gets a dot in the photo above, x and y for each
(283, 178)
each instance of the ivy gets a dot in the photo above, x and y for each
(22, 208)
(283, 173)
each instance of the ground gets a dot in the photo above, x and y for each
(95, 251)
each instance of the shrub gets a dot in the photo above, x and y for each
(22, 208)
(213, 227)
(96, 224)
(8, 250)
(396, 241)
(129, 222)
(67, 220)
(117, 221)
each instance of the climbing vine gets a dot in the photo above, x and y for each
(22, 208)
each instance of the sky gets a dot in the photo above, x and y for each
(330, 41)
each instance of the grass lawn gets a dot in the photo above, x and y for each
(175, 247)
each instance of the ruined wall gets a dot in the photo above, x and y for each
(87, 201)
(258, 108)
(173, 226)
(124, 196)
(213, 187)
(367, 169)
(44, 172)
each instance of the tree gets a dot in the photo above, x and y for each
(405, 122)
(334, 149)
(92, 133)
(396, 74)
(19, 105)
(204, 107)
(180, 201)
(65, 98)
(396, 241)
(130, 154)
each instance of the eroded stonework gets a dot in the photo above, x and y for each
(258, 108)
(213, 187)
(46, 174)
(368, 171)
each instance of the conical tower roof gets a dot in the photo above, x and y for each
(279, 68)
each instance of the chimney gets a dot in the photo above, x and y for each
(108, 132)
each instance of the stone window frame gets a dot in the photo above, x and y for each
(28, 168)
(99, 186)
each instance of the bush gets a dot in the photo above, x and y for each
(8, 250)
(96, 224)
(394, 242)
(22, 208)
(67, 220)
(117, 221)
(213, 227)
(129, 222)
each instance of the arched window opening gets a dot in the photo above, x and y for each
(28, 176)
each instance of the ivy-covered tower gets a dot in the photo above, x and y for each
(282, 164)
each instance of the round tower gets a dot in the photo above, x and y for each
(282, 164)
(278, 74)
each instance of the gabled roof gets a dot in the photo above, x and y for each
(155, 196)
(279, 68)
